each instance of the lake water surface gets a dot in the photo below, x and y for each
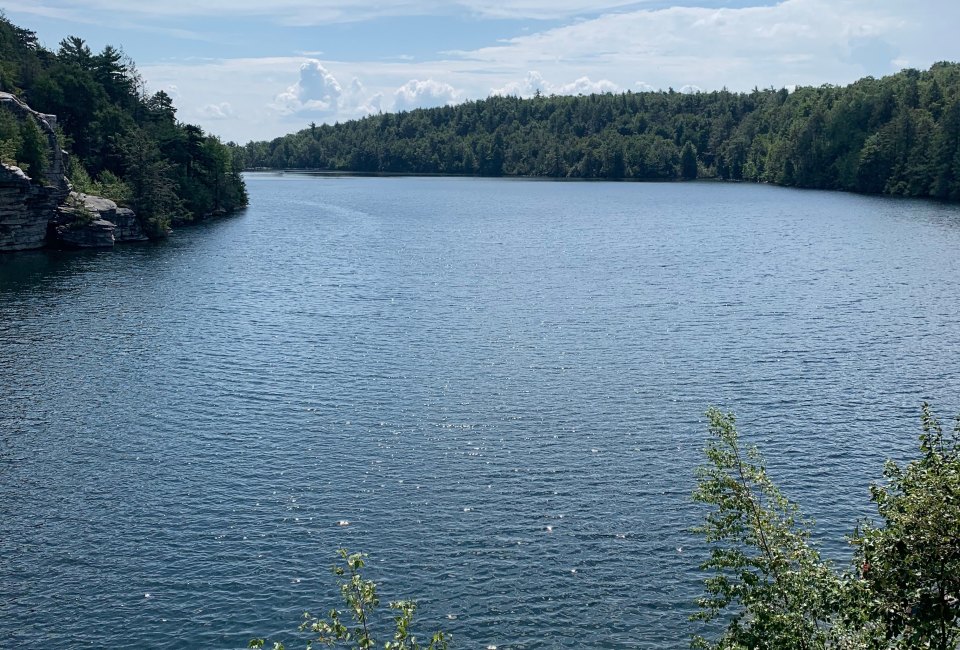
(499, 384)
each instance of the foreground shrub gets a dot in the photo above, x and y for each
(770, 585)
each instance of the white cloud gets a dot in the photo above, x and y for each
(317, 91)
(220, 111)
(423, 94)
(534, 81)
(543, 9)
(173, 91)
(690, 89)
(310, 12)
(795, 42)
(583, 86)
(357, 102)
(373, 104)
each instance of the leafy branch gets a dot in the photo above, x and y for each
(903, 586)
(355, 631)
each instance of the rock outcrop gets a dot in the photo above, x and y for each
(36, 214)
(87, 221)
(128, 226)
(88, 234)
(25, 210)
(26, 207)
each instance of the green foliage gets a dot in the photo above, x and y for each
(775, 591)
(9, 137)
(108, 185)
(911, 563)
(358, 628)
(899, 135)
(764, 565)
(23, 144)
(101, 111)
(688, 162)
(152, 185)
(32, 155)
(83, 215)
(79, 178)
(112, 187)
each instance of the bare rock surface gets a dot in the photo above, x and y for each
(127, 226)
(25, 210)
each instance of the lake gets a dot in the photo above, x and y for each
(499, 384)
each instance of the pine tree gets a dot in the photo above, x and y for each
(688, 161)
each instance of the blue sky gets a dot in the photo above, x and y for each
(250, 69)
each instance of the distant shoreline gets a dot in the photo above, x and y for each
(556, 179)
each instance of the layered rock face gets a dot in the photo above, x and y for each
(86, 221)
(25, 210)
(34, 215)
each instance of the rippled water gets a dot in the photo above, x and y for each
(499, 384)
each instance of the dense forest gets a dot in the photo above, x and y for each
(123, 143)
(895, 135)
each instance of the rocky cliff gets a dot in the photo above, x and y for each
(25, 210)
(26, 207)
(43, 211)
(86, 221)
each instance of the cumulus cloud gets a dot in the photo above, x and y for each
(534, 81)
(782, 44)
(583, 86)
(357, 102)
(220, 111)
(424, 94)
(317, 91)
(690, 89)
(319, 94)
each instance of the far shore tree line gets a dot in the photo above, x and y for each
(895, 135)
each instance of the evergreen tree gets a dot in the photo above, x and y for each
(688, 162)
(32, 153)
(889, 135)
(122, 142)
(10, 137)
(150, 176)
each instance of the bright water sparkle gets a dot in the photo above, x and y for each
(498, 384)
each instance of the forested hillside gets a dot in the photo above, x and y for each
(124, 144)
(896, 135)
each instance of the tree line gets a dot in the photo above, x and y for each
(124, 143)
(899, 134)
